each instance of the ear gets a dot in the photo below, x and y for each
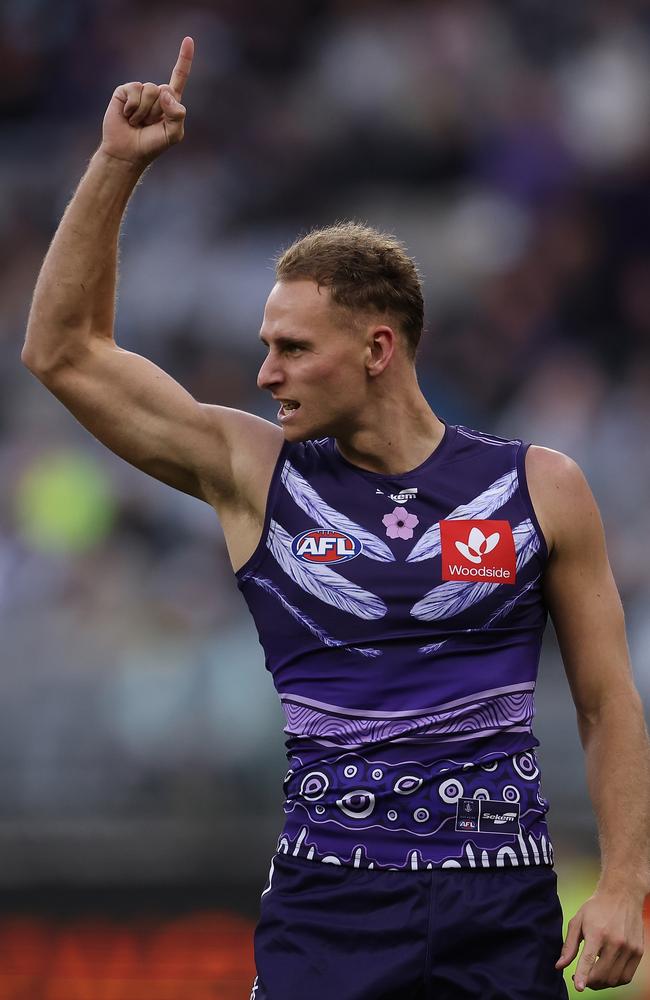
(380, 348)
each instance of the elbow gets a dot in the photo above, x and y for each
(45, 370)
(621, 709)
(35, 365)
(28, 360)
(45, 362)
(33, 349)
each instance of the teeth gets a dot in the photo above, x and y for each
(290, 406)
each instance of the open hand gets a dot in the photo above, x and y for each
(143, 119)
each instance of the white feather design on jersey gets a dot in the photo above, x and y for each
(506, 608)
(482, 506)
(452, 597)
(326, 517)
(495, 616)
(308, 622)
(322, 582)
(433, 647)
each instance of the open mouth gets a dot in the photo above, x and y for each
(287, 408)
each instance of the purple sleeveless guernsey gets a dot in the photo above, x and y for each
(401, 618)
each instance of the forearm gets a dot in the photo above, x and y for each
(74, 296)
(618, 775)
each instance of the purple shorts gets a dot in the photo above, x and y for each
(329, 932)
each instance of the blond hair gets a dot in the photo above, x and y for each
(365, 271)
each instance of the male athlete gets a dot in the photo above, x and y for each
(399, 570)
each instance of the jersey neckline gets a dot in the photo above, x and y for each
(432, 459)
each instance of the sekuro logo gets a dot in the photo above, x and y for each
(321, 545)
(403, 496)
(478, 551)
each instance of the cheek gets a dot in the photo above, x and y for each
(338, 389)
(343, 375)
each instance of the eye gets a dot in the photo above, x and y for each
(293, 348)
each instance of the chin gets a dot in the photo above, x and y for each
(300, 434)
(305, 433)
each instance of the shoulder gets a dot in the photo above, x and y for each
(253, 446)
(544, 464)
(561, 496)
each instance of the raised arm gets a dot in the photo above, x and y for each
(588, 618)
(124, 400)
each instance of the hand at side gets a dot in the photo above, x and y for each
(611, 924)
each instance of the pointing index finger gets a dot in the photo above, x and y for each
(181, 70)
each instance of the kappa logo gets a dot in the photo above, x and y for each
(403, 496)
(477, 551)
(321, 545)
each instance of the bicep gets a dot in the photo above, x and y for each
(143, 415)
(582, 596)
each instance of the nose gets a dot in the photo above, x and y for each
(269, 374)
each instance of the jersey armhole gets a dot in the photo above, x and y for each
(525, 493)
(274, 486)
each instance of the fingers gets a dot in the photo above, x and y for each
(156, 109)
(630, 968)
(174, 118)
(585, 965)
(616, 966)
(612, 929)
(613, 970)
(571, 944)
(181, 70)
(140, 102)
(162, 106)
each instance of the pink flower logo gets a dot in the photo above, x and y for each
(400, 523)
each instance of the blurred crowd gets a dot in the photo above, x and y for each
(507, 144)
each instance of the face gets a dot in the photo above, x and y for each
(314, 358)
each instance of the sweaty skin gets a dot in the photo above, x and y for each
(355, 382)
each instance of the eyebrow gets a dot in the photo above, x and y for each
(283, 341)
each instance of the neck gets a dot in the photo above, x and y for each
(399, 438)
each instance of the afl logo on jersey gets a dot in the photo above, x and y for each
(320, 545)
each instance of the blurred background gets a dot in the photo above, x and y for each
(508, 145)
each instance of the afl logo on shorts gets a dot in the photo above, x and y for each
(319, 545)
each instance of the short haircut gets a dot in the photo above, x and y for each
(365, 271)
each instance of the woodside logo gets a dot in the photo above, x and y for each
(478, 552)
